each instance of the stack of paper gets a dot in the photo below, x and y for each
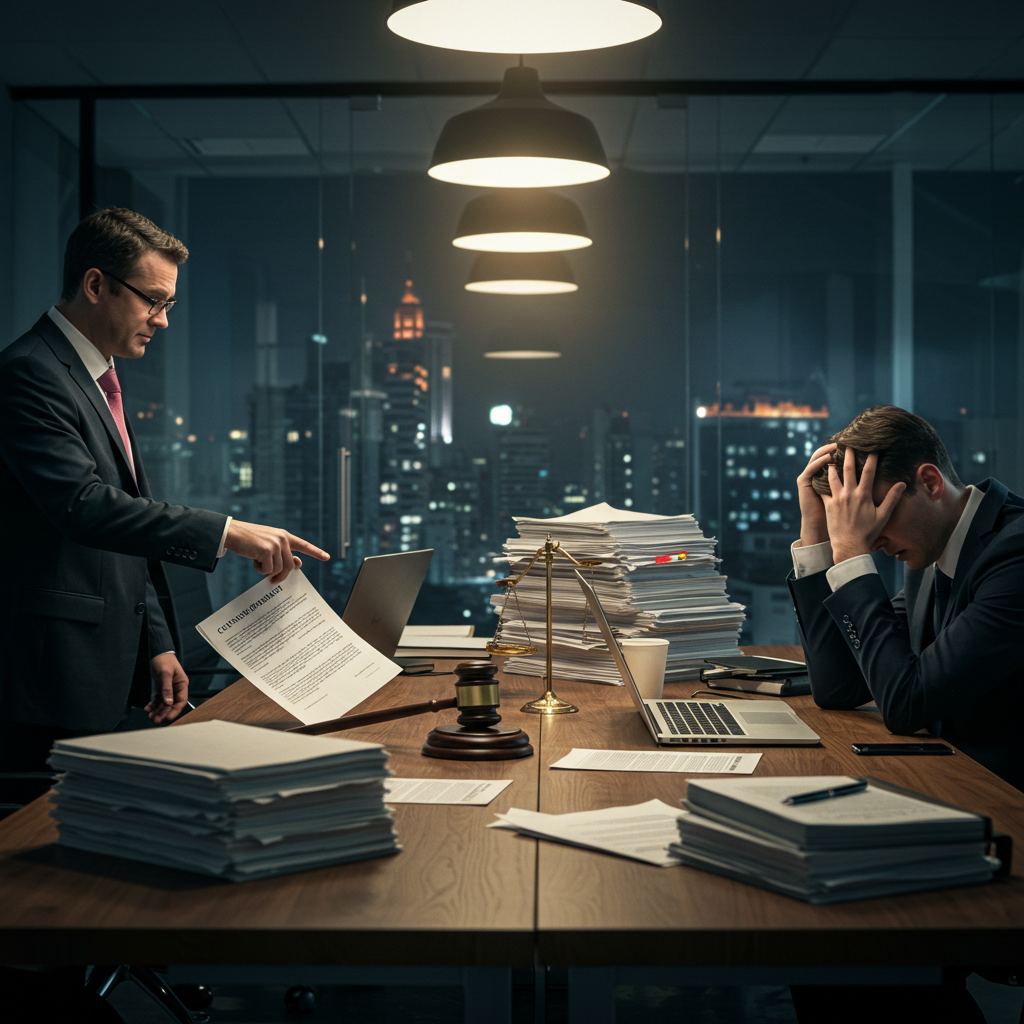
(640, 832)
(658, 577)
(223, 799)
(873, 843)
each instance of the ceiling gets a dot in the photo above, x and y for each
(257, 42)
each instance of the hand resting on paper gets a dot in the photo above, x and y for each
(269, 548)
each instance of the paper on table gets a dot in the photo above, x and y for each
(641, 832)
(417, 631)
(289, 643)
(658, 761)
(469, 792)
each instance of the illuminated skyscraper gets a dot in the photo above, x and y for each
(746, 495)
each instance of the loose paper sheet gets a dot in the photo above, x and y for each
(289, 643)
(641, 832)
(469, 792)
(659, 761)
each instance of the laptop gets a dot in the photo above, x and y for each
(382, 597)
(691, 722)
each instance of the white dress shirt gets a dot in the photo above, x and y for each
(96, 366)
(818, 557)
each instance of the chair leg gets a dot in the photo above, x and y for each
(104, 979)
(152, 983)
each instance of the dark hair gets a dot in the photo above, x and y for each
(115, 240)
(901, 440)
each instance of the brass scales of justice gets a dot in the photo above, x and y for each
(548, 704)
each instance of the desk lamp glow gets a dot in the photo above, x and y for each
(521, 220)
(521, 273)
(524, 26)
(520, 139)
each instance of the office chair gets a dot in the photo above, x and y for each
(103, 979)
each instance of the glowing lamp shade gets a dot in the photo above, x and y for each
(522, 353)
(520, 139)
(520, 273)
(521, 220)
(524, 26)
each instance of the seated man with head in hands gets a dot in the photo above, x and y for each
(946, 653)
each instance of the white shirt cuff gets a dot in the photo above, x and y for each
(223, 550)
(859, 565)
(810, 559)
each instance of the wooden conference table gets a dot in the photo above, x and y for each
(462, 894)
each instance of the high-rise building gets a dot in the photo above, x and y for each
(522, 472)
(620, 490)
(746, 494)
(669, 468)
(406, 421)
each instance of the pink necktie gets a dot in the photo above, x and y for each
(111, 388)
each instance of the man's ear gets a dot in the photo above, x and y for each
(930, 478)
(91, 285)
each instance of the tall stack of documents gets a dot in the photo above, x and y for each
(223, 799)
(877, 842)
(658, 577)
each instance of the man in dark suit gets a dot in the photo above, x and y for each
(945, 654)
(81, 629)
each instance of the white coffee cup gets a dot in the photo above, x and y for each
(646, 657)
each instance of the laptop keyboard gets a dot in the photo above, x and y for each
(699, 718)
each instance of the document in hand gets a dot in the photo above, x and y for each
(878, 842)
(289, 643)
(640, 832)
(223, 799)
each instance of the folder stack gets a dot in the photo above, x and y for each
(658, 577)
(879, 841)
(223, 799)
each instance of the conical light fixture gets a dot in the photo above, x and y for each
(521, 220)
(519, 140)
(521, 273)
(524, 26)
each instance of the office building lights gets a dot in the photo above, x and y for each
(763, 408)
(521, 220)
(520, 139)
(521, 273)
(524, 26)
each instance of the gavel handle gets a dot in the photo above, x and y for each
(373, 717)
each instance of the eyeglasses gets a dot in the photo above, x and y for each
(156, 306)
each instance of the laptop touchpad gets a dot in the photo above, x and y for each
(765, 717)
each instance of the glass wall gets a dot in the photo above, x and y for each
(763, 268)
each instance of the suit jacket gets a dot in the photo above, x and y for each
(968, 685)
(85, 539)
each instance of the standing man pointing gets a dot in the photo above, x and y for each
(81, 628)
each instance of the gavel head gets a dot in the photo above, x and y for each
(476, 694)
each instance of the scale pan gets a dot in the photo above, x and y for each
(510, 649)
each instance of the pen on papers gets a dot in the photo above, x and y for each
(827, 794)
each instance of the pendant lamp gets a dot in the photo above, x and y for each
(520, 273)
(521, 220)
(524, 26)
(519, 140)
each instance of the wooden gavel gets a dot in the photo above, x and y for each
(477, 737)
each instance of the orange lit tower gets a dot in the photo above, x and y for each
(408, 316)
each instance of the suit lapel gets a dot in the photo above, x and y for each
(974, 543)
(142, 483)
(919, 624)
(65, 352)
